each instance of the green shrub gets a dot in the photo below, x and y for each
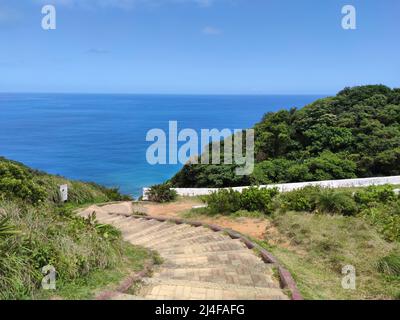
(336, 202)
(375, 194)
(386, 218)
(303, 199)
(228, 201)
(258, 199)
(390, 265)
(161, 193)
(17, 182)
(224, 201)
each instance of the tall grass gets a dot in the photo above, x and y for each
(390, 265)
(73, 245)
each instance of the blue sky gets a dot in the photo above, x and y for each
(198, 46)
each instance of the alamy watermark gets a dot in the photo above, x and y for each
(349, 18)
(349, 279)
(238, 147)
(49, 21)
(49, 279)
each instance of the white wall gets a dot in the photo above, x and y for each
(285, 187)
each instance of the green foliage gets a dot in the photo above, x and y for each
(224, 201)
(390, 265)
(258, 199)
(321, 245)
(6, 229)
(19, 182)
(354, 134)
(161, 193)
(228, 201)
(336, 202)
(73, 245)
(16, 182)
(386, 218)
(303, 199)
(375, 194)
(36, 230)
(316, 199)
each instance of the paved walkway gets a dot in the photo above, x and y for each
(197, 264)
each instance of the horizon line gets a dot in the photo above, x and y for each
(169, 94)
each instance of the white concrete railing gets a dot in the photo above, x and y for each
(285, 187)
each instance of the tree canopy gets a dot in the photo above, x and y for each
(353, 134)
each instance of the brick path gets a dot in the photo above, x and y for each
(198, 263)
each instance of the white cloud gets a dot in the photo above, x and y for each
(211, 31)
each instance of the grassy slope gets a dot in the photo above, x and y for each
(133, 259)
(85, 255)
(320, 245)
(315, 247)
(79, 192)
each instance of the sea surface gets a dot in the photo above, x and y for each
(102, 138)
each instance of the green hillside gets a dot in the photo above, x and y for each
(353, 134)
(37, 230)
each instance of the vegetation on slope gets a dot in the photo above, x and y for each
(315, 248)
(354, 134)
(321, 230)
(37, 230)
(19, 182)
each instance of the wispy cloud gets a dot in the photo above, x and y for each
(211, 31)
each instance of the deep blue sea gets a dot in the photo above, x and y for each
(102, 138)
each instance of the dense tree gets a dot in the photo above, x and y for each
(354, 134)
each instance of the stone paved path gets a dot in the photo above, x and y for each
(198, 263)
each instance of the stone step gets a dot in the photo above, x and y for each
(224, 245)
(180, 237)
(140, 226)
(162, 235)
(240, 275)
(125, 297)
(198, 263)
(120, 223)
(125, 207)
(201, 238)
(111, 218)
(160, 289)
(126, 224)
(134, 226)
(130, 220)
(259, 267)
(236, 257)
(143, 234)
(167, 238)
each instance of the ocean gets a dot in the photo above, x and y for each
(102, 137)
